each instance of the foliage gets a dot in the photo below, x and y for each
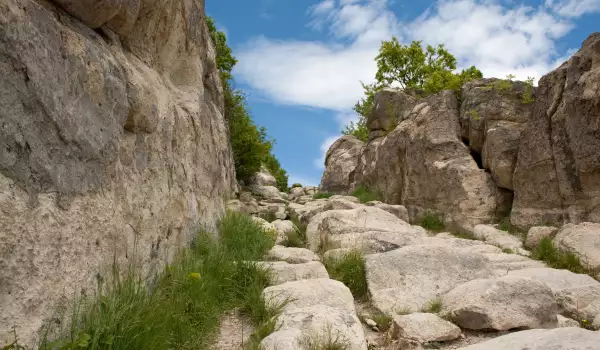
(547, 252)
(297, 237)
(328, 339)
(432, 222)
(350, 270)
(365, 195)
(182, 307)
(433, 306)
(384, 322)
(430, 69)
(505, 85)
(250, 144)
(465, 235)
(475, 114)
(296, 185)
(506, 225)
(528, 97)
(322, 195)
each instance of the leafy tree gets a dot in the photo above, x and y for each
(429, 69)
(250, 144)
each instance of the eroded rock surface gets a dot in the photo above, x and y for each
(110, 138)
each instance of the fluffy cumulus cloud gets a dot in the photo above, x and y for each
(498, 38)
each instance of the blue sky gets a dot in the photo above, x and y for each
(301, 61)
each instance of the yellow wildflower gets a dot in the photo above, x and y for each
(194, 275)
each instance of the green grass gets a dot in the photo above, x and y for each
(384, 322)
(365, 195)
(432, 222)
(506, 225)
(269, 216)
(350, 270)
(296, 237)
(329, 339)
(507, 251)
(547, 252)
(322, 195)
(296, 185)
(181, 308)
(465, 235)
(434, 306)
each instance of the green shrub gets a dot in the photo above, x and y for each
(322, 195)
(350, 270)
(182, 307)
(250, 145)
(465, 235)
(506, 225)
(432, 222)
(297, 185)
(365, 195)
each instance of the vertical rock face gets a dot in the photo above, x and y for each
(340, 163)
(424, 165)
(113, 146)
(557, 176)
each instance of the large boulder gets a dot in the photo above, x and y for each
(390, 107)
(263, 178)
(331, 226)
(292, 255)
(407, 279)
(499, 238)
(424, 165)
(536, 234)
(502, 303)
(423, 328)
(304, 212)
(281, 271)
(556, 176)
(340, 162)
(542, 339)
(109, 145)
(583, 240)
(577, 295)
(493, 115)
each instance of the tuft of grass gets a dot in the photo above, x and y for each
(322, 195)
(507, 251)
(365, 195)
(329, 339)
(181, 307)
(403, 311)
(384, 322)
(464, 235)
(350, 270)
(296, 237)
(433, 306)
(547, 252)
(432, 222)
(269, 216)
(506, 225)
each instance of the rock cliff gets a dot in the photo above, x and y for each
(466, 157)
(113, 146)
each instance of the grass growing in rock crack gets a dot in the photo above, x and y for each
(433, 306)
(182, 307)
(350, 270)
(384, 322)
(322, 195)
(297, 236)
(269, 216)
(365, 194)
(547, 252)
(432, 222)
(465, 235)
(506, 225)
(328, 339)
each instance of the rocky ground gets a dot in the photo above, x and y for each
(437, 290)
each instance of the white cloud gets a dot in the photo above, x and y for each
(320, 162)
(573, 8)
(497, 39)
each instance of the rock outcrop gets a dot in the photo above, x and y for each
(557, 175)
(340, 163)
(113, 146)
(507, 140)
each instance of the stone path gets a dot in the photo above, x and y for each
(439, 290)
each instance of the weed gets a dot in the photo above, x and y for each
(296, 237)
(507, 251)
(183, 307)
(546, 251)
(350, 270)
(322, 195)
(506, 225)
(527, 96)
(365, 195)
(269, 216)
(403, 311)
(475, 114)
(384, 322)
(433, 306)
(325, 341)
(432, 222)
(464, 235)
